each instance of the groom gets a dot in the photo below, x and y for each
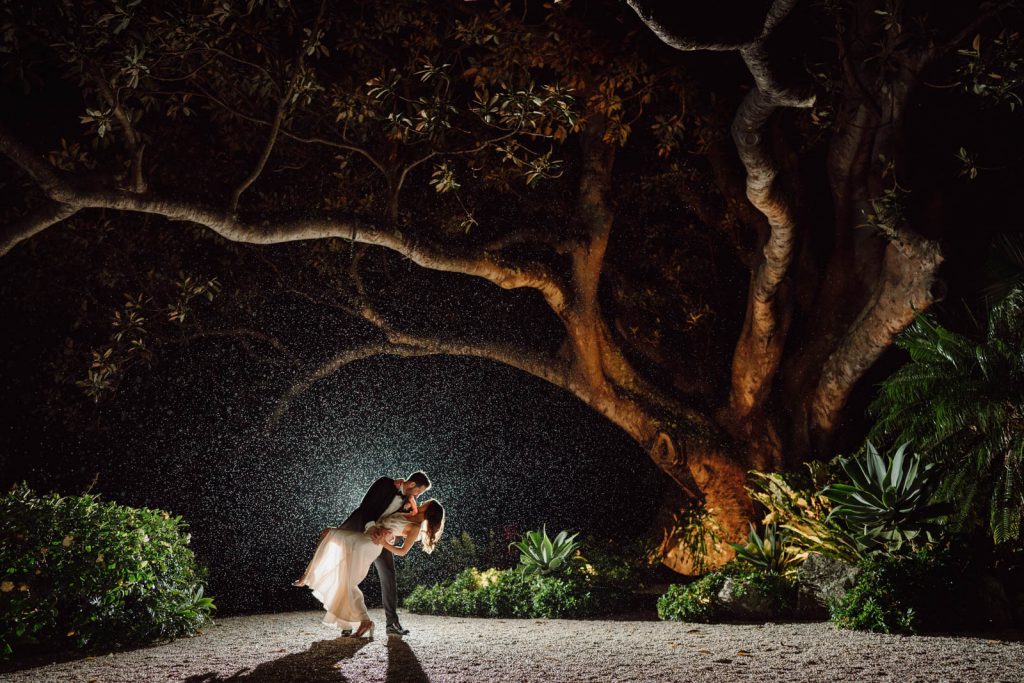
(386, 496)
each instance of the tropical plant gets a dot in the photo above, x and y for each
(541, 554)
(962, 402)
(803, 513)
(885, 506)
(770, 554)
(76, 572)
(695, 530)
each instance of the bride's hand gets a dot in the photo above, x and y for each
(380, 535)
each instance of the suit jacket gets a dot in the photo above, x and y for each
(377, 499)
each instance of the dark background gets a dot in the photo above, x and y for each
(505, 452)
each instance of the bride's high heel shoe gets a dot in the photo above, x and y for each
(365, 629)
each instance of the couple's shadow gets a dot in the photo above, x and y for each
(321, 664)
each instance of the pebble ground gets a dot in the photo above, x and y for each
(294, 646)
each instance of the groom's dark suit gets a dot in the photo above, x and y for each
(376, 501)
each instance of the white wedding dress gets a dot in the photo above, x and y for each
(339, 565)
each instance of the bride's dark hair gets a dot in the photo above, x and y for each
(433, 518)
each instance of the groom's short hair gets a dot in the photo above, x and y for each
(420, 479)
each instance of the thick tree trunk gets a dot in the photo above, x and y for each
(701, 461)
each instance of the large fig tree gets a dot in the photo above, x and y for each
(709, 251)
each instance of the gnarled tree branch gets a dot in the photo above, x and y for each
(410, 346)
(907, 288)
(135, 145)
(34, 223)
(759, 348)
(275, 124)
(489, 266)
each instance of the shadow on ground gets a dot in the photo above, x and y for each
(322, 663)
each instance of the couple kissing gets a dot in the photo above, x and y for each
(388, 522)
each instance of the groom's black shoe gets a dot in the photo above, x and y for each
(397, 630)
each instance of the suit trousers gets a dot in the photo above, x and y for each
(385, 565)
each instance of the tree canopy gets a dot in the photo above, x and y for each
(713, 250)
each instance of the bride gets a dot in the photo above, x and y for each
(343, 558)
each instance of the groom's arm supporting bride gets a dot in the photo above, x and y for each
(384, 497)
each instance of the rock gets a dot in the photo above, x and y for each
(742, 599)
(821, 579)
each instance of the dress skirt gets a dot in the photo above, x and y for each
(340, 563)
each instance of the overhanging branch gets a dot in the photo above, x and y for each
(487, 265)
(33, 223)
(411, 346)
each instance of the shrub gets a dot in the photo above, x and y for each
(599, 583)
(755, 594)
(611, 564)
(929, 590)
(558, 597)
(509, 593)
(78, 572)
(695, 601)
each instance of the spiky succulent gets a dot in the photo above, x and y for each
(887, 503)
(543, 555)
(769, 554)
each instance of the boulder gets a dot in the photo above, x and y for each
(820, 580)
(745, 600)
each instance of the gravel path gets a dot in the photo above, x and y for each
(294, 646)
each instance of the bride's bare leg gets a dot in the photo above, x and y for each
(301, 581)
(365, 626)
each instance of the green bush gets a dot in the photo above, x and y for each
(598, 583)
(513, 593)
(699, 601)
(78, 572)
(934, 590)
(616, 566)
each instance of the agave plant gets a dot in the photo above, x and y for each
(962, 402)
(887, 504)
(769, 554)
(543, 555)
